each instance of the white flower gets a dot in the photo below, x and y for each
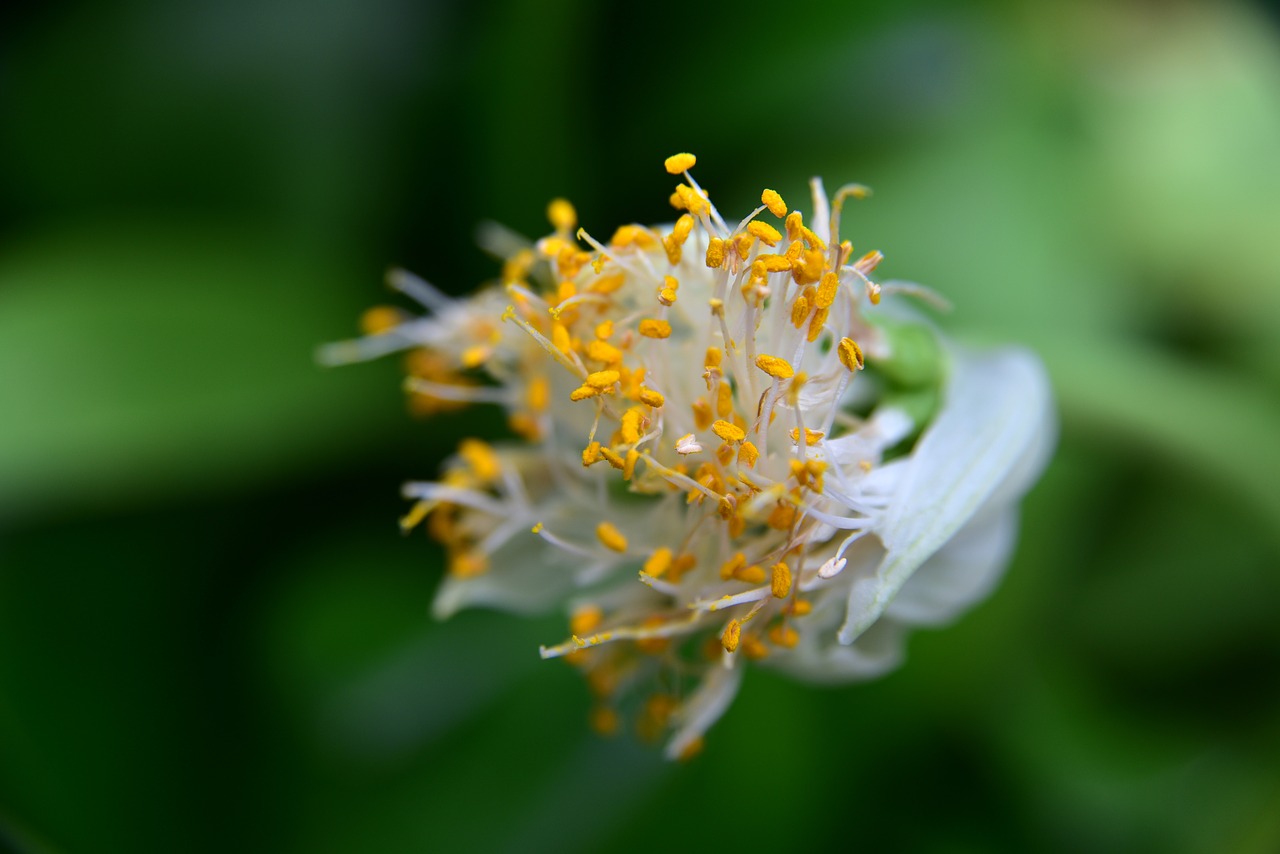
(704, 472)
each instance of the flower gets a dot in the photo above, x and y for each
(729, 451)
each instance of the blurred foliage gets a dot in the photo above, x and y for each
(211, 637)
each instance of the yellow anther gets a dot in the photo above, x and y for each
(717, 308)
(750, 574)
(591, 454)
(468, 564)
(605, 721)
(732, 634)
(728, 432)
(715, 253)
(515, 268)
(416, 514)
(743, 243)
(774, 202)
(793, 252)
(611, 537)
(770, 264)
(667, 293)
(673, 248)
(583, 392)
(652, 327)
(817, 323)
(748, 454)
(380, 319)
(677, 163)
(537, 528)
(481, 459)
(651, 398)
(601, 351)
(784, 636)
(850, 354)
(630, 426)
(808, 268)
(724, 400)
(562, 215)
(474, 357)
(608, 284)
(612, 457)
(604, 329)
(731, 567)
(602, 379)
(781, 517)
(599, 262)
(780, 583)
(683, 226)
(869, 262)
(629, 463)
(585, 620)
(702, 415)
(811, 437)
(687, 198)
(799, 311)
(560, 337)
(779, 369)
(682, 564)
(658, 563)
(753, 649)
(795, 226)
(725, 453)
(765, 232)
(712, 360)
(814, 241)
(827, 290)
(799, 607)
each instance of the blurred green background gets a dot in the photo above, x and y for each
(211, 635)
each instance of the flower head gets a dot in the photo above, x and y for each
(729, 451)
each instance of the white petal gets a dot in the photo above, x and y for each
(704, 707)
(961, 573)
(992, 429)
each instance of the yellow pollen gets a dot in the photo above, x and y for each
(784, 636)
(630, 426)
(677, 163)
(653, 328)
(795, 225)
(774, 202)
(714, 355)
(765, 232)
(724, 400)
(684, 225)
(612, 457)
(585, 620)
(702, 416)
(750, 574)
(686, 198)
(850, 354)
(537, 529)
(732, 634)
(799, 312)
(728, 432)
(611, 537)
(539, 394)
(604, 329)
(481, 459)
(743, 244)
(629, 463)
(811, 437)
(380, 319)
(591, 454)
(827, 290)
(770, 264)
(562, 215)
(730, 567)
(753, 649)
(583, 392)
(780, 583)
(748, 454)
(658, 563)
(608, 284)
(601, 351)
(779, 369)
(817, 323)
(560, 337)
(652, 398)
(602, 379)
(715, 253)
